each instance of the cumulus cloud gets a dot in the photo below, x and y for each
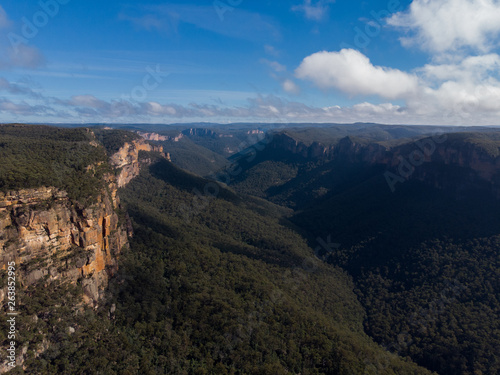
(460, 84)
(314, 11)
(352, 72)
(449, 25)
(419, 110)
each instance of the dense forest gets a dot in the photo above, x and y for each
(425, 260)
(69, 159)
(231, 291)
(300, 265)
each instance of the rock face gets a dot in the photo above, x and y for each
(468, 166)
(200, 132)
(52, 237)
(48, 235)
(346, 149)
(126, 160)
(153, 136)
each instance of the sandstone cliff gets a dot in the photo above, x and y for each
(54, 238)
(48, 235)
(346, 149)
(153, 136)
(126, 160)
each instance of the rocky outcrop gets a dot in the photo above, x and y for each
(200, 132)
(346, 149)
(459, 167)
(49, 236)
(468, 165)
(127, 162)
(52, 238)
(255, 131)
(153, 136)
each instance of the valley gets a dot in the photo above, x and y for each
(252, 248)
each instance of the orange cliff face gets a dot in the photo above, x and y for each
(51, 237)
(127, 159)
(48, 235)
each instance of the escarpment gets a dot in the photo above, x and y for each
(452, 162)
(51, 236)
(65, 236)
(127, 162)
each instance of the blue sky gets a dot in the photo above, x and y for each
(407, 62)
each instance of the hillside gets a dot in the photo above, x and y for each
(211, 282)
(245, 293)
(311, 261)
(423, 248)
(62, 229)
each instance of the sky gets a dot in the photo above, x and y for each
(337, 61)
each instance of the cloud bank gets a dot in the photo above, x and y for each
(449, 25)
(460, 84)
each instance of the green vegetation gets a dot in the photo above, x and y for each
(264, 176)
(424, 259)
(194, 158)
(113, 140)
(443, 298)
(231, 291)
(222, 281)
(488, 142)
(35, 156)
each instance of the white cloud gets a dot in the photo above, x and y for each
(314, 12)
(471, 69)
(461, 84)
(449, 25)
(352, 72)
(459, 102)
(290, 87)
(435, 107)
